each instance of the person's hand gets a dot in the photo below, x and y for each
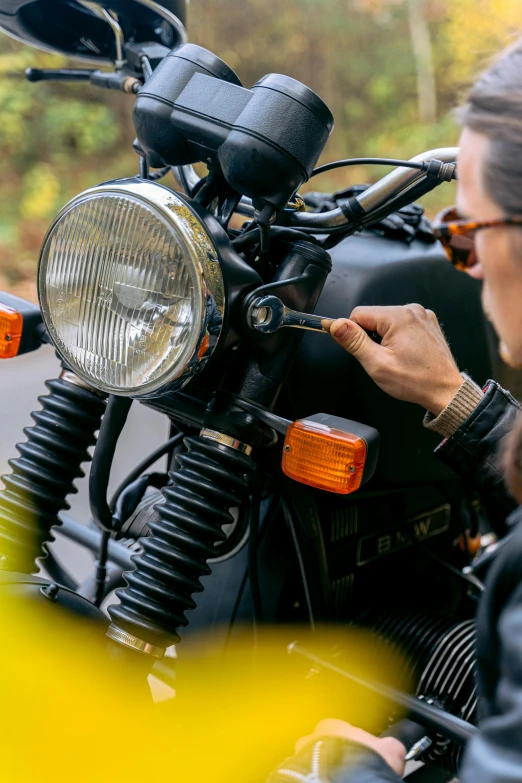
(391, 750)
(413, 361)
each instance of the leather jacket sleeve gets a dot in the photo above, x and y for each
(332, 760)
(474, 451)
(494, 755)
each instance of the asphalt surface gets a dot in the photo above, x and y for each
(22, 380)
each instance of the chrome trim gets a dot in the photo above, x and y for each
(70, 377)
(418, 749)
(170, 18)
(172, 207)
(226, 440)
(128, 640)
(390, 185)
(112, 21)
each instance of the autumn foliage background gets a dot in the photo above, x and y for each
(390, 70)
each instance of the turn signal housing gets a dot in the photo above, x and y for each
(11, 325)
(330, 453)
(20, 326)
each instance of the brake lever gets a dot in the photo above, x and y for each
(267, 314)
(108, 80)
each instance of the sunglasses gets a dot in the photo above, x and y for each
(457, 236)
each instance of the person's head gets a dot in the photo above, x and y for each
(490, 187)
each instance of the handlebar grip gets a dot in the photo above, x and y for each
(406, 731)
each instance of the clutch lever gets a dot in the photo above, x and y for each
(267, 314)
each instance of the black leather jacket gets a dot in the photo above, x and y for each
(494, 755)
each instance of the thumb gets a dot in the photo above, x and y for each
(352, 337)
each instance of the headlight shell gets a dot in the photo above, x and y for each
(131, 288)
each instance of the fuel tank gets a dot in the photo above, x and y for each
(372, 270)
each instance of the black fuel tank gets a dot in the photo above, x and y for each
(370, 270)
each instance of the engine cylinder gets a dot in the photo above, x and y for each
(437, 655)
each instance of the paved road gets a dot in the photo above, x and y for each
(21, 382)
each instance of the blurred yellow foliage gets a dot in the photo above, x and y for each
(476, 30)
(76, 710)
(41, 189)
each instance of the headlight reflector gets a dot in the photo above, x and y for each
(128, 280)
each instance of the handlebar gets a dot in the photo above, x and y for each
(393, 184)
(401, 178)
(378, 194)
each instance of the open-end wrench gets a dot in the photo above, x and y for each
(267, 314)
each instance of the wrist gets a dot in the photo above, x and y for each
(393, 751)
(459, 408)
(442, 396)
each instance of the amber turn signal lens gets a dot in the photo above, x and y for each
(324, 457)
(11, 323)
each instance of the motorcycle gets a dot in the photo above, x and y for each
(276, 508)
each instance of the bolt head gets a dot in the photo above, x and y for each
(50, 592)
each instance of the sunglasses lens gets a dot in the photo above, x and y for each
(460, 249)
(459, 244)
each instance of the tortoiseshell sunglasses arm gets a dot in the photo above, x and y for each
(462, 227)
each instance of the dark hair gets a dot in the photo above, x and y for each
(494, 109)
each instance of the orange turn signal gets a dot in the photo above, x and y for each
(324, 457)
(11, 323)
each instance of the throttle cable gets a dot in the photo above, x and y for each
(425, 166)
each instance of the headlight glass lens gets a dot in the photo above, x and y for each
(122, 288)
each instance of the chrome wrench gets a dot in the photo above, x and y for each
(267, 314)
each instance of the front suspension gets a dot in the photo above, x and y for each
(44, 473)
(212, 478)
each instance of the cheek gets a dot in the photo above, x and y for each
(502, 288)
(494, 257)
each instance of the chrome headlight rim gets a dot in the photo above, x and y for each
(177, 211)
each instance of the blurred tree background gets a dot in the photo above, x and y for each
(390, 70)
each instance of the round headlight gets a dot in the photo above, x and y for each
(131, 288)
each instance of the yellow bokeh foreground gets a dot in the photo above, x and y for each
(75, 709)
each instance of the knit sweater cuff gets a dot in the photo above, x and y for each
(457, 411)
